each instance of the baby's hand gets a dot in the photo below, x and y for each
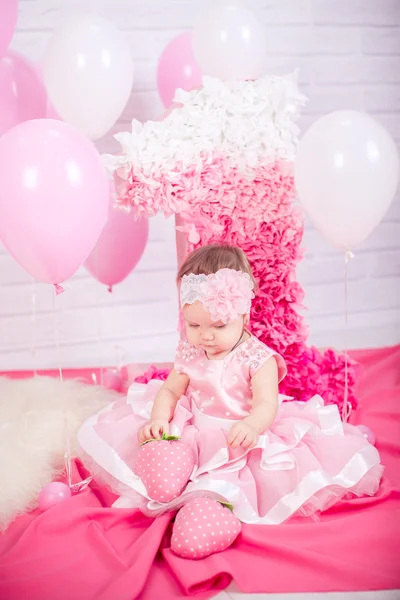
(154, 429)
(242, 434)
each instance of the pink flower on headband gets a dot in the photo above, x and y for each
(227, 294)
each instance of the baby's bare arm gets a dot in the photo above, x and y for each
(265, 406)
(172, 389)
(265, 397)
(164, 406)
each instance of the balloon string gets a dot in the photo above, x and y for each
(100, 324)
(33, 339)
(346, 405)
(101, 345)
(67, 455)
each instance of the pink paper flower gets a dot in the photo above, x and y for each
(152, 373)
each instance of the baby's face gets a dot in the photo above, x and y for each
(214, 337)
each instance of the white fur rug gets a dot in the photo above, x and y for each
(32, 435)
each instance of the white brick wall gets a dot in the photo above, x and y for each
(349, 55)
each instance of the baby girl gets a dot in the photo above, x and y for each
(265, 455)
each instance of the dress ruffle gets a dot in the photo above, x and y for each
(303, 464)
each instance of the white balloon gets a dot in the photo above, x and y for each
(88, 73)
(346, 174)
(229, 42)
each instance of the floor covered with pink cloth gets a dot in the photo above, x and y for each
(84, 550)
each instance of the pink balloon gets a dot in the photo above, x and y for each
(22, 92)
(52, 494)
(8, 21)
(54, 198)
(119, 247)
(177, 68)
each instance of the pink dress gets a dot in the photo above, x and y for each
(303, 464)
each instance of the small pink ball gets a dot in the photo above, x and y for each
(367, 433)
(52, 494)
(112, 380)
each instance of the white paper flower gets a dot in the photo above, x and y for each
(250, 123)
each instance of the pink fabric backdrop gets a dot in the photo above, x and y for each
(85, 550)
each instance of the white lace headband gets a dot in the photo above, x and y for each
(225, 294)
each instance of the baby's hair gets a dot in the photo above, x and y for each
(210, 259)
